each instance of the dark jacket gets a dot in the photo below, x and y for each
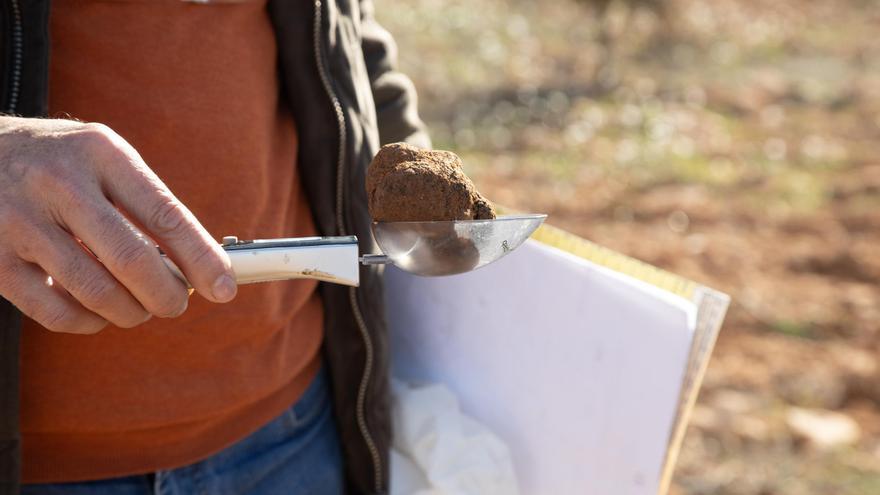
(337, 70)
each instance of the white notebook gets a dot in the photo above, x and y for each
(586, 363)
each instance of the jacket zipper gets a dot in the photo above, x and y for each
(340, 225)
(17, 52)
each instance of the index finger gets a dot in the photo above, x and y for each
(145, 197)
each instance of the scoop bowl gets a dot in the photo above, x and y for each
(451, 247)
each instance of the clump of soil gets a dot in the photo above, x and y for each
(407, 184)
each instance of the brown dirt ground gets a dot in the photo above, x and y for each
(732, 142)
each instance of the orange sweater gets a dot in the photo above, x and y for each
(194, 88)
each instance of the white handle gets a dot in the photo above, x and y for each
(312, 258)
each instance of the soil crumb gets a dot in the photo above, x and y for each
(409, 184)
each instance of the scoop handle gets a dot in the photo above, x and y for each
(328, 259)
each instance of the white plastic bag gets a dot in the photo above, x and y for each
(438, 450)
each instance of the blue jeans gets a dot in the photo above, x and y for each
(297, 453)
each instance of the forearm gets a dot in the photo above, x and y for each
(393, 92)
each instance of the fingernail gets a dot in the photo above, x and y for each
(224, 288)
(182, 309)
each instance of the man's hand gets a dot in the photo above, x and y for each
(72, 194)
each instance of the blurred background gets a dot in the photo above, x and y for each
(734, 142)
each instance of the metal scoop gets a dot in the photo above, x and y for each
(422, 248)
(450, 247)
